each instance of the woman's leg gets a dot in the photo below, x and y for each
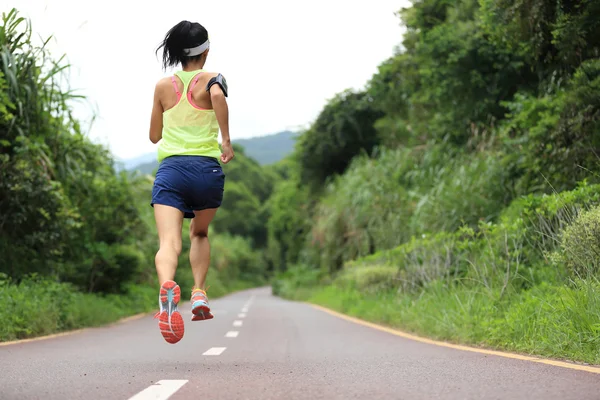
(169, 222)
(200, 246)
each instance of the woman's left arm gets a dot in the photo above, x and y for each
(156, 120)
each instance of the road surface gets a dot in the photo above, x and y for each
(262, 347)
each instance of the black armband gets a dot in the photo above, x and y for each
(218, 80)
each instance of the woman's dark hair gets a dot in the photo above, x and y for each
(182, 36)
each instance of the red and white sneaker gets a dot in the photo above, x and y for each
(200, 308)
(170, 320)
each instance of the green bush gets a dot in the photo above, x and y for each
(38, 306)
(418, 261)
(546, 216)
(580, 244)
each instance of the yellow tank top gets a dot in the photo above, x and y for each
(188, 129)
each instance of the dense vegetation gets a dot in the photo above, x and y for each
(455, 195)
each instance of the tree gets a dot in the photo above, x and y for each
(344, 129)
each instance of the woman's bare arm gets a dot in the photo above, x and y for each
(156, 119)
(219, 103)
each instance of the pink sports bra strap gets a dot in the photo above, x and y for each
(194, 82)
(176, 89)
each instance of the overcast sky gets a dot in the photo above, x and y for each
(282, 59)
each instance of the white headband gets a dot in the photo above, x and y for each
(194, 51)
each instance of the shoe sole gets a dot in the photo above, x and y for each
(201, 313)
(170, 320)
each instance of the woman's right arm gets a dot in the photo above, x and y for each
(219, 104)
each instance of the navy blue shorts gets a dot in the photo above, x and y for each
(189, 183)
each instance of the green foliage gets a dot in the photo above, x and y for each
(342, 130)
(240, 201)
(580, 244)
(288, 223)
(65, 211)
(553, 36)
(545, 217)
(235, 259)
(512, 254)
(380, 203)
(466, 190)
(371, 279)
(552, 140)
(296, 282)
(38, 306)
(473, 119)
(361, 211)
(447, 80)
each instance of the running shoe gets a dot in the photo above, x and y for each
(170, 321)
(200, 308)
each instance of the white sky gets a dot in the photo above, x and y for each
(282, 59)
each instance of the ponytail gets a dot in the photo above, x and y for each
(182, 36)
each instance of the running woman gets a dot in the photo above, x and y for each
(189, 110)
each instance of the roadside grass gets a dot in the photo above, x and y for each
(556, 322)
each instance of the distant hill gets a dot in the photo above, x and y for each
(264, 149)
(143, 159)
(269, 149)
(147, 168)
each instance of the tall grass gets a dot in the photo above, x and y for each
(381, 203)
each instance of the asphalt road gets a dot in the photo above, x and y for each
(262, 347)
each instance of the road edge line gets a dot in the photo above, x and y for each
(396, 332)
(73, 332)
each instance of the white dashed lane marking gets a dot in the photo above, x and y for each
(161, 390)
(214, 351)
(242, 315)
(237, 323)
(248, 304)
(232, 334)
